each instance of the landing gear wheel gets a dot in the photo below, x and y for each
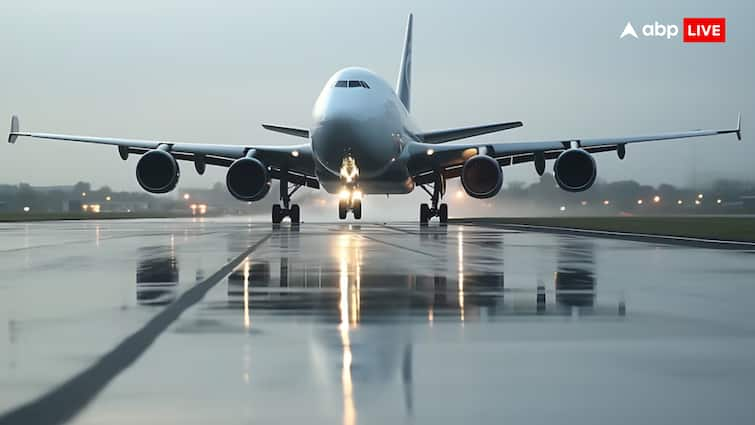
(443, 213)
(277, 216)
(294, 214)
(357, 209)
(343, 209)
(424, 214)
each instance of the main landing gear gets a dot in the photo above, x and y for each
(350, 201)
(288, 209)
(426, 212)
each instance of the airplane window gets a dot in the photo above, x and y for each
(341, 83)
(354, 83)
(364, 84)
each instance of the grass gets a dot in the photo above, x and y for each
(730, 228)
(45, 216)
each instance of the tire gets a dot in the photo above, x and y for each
(342, 210)
(277, 217)
(424, 213)
(443, 213)
(357, 210)
(295, 214)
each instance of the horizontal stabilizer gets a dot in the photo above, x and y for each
(291, 131)
(443, 136)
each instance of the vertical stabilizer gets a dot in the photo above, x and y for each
(404, 83)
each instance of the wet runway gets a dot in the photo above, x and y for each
(229, 321)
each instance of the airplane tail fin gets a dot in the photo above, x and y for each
(404, 83)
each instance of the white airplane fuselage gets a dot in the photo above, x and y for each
(370, 126)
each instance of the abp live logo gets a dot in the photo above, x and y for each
(695, 30)
(704, 30)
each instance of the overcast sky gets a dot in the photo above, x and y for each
(213, 71)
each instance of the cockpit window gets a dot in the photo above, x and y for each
(352, 83)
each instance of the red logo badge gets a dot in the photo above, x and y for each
(704, 30)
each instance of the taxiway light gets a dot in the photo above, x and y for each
(357, 194)
(344, 194)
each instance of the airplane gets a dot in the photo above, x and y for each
(363, 141)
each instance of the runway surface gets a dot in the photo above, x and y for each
(230, 321)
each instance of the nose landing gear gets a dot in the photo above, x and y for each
(350, 201)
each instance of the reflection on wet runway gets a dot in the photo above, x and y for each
(371, 323)
(341, 289)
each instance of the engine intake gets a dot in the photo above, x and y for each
(157, 171)
(481, 177)
(248, 179)
(575, 170)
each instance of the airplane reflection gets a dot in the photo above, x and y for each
(361, 352)
(156, 276)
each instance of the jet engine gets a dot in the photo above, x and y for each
(575, 170)
(248, 179)
(157, 171)
(481, 177)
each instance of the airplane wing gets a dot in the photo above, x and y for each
(296, 160)
(425, 158)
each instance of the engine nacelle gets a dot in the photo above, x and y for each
(157, 171)
(481, 177)
(248, 179)
(575, 170)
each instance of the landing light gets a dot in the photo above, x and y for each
(430, 152)
(295, 154)
(26, 209)
(718, 201)
(344, 194)
(563, 208)
(639, 202)
(699, 196)
(656, 199)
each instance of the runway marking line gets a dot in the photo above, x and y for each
(637, 236)
(65, 401)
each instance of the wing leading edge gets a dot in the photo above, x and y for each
(296, 159)
(425, 158)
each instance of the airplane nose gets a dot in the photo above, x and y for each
(343, 134)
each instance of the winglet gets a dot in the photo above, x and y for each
(13, 134)
(739, 127)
